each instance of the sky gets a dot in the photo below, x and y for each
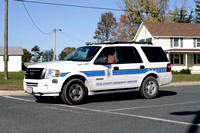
(78, 24)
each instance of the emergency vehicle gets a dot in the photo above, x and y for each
(100, 68)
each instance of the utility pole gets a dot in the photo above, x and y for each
(54, 50)
(6, 41)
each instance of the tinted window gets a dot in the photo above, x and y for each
(155, 54)
(129, 55)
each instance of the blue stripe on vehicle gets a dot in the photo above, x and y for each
(63, 74)
(129, 71)
(137, 71)
(95, 73)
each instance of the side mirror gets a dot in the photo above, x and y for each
(101, 60)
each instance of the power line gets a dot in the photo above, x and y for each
(69, 36)
(56, 4)
(34, 21)
(96, 8)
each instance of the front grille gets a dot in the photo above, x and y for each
(35, 73)
(28, 84)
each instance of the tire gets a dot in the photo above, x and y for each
(149, 88)
(74, 92)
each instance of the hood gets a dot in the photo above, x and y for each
(53, 64)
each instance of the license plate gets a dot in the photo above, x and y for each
(29, 90)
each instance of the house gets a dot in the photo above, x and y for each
(180, 41)
(14, 59)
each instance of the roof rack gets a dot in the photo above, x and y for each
(117, 42)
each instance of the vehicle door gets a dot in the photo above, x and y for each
(122, 72)
(129, 70)
(104, 64)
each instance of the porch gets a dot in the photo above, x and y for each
(184, 59)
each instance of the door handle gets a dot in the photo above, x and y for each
(116, 68)
(142, 67)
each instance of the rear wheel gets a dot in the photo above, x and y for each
(74, 92)
(149, 88)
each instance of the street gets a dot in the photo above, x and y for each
(175, 110)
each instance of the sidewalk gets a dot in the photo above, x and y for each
(22, 93)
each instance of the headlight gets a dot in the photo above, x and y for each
(52, 73)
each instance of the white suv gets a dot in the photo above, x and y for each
(101, 68)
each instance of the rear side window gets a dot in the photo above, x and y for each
(155, 54)
(129, 55)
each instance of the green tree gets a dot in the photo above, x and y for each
(26, 56)
(180, 14)
(36, 54)
(106, 27)
(66, 51)
(197, 11)
(47, 55)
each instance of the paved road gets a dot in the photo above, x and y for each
(176, 110)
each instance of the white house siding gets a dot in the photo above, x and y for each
(188, 43)
(14, 63)
(163, 42)
(1, 64)
(144, 34)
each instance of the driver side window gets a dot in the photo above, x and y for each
(107, 56)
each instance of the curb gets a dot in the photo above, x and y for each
(12, 93)
(22, 93)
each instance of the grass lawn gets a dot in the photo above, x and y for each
(185, 77)
(15, 81)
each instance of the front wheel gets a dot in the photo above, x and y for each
(74, 92)
(149, 88)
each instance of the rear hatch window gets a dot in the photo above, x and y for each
(155, 54)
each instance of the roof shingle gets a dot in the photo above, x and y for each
(173, 29)
(12, 50)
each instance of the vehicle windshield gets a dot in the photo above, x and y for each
(85, 53)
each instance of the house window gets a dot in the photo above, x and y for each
(176, 42)
(146, 40)
(176, 58)
(149, 40)
(198, 42)
(141, 40)
(196, 58)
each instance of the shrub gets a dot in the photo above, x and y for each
(175, 72)
(185, 71)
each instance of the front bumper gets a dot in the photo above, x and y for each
(43, 87)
